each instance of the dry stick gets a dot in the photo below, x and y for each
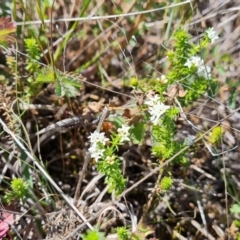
(43, 171)
(87, 159)
(202, 230)
(147, 206)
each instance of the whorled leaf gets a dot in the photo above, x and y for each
(45, 75)
(67, 85)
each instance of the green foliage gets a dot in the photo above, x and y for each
(216, 135)
(11, 62)
(236, 222)
(166, 183)
(122, 233)
(233, 86)
(179, 56)
(235, 209)
(163, 135)
(93, 235)
(110, 166)
(33, 53)
(67, 86)
(194, 84)
(188, 71)
(164, 145)
(19, 190)
(195, 90)
(44, 75)
(133, 82)
(187, 80)
(137, 133)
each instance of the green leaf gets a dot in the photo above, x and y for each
(69, 90)
(68, 85)
(84, 6)
(233, 86)
(214, 87)
(137, 133)
(45, 75)
(235, 208)
(233, 99)
(59, 89)
(72, 82)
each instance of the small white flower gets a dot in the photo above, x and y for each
(152, 101)
(188, 63)
(212, 35)
(111, 159)
(155, 118)
(197, 61)
(164, 79)
(96, 152)
(156, 109)
(97, 137)
(123, 132)
(204, 71)
(194, 61)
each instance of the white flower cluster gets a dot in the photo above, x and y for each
(212, 35)
(156, 108)
(203, 71)
(123, 132)
(96, 139)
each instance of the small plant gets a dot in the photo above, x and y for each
(115, 52)
(123, 233)
(65, 84)
(93, 235)
(33, 53)
(162, 106)
(109, 164)
(19, 191)
(216, 135)
(166, 183)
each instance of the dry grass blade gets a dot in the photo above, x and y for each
(43, 171)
